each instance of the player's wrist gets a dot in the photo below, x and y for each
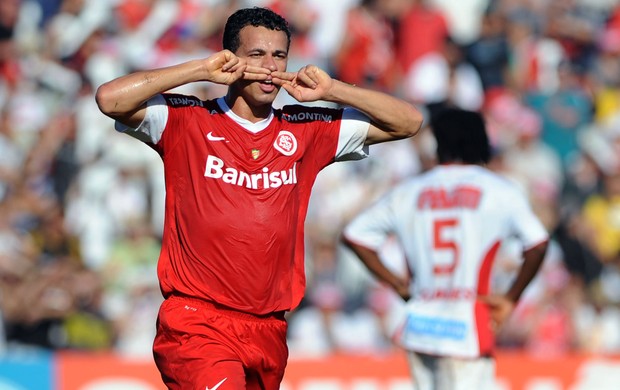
(512, 297)
(338, 92)
(200, 70)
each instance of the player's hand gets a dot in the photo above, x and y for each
(308, 84)
(500, 306)
(402, 289)
(224, 67)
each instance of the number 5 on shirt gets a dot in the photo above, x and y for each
(440, 226)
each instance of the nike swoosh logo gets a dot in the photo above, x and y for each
(211, 137)
(216, 386)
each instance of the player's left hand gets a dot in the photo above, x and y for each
(402, 289)
(308, 84)
(500, 306)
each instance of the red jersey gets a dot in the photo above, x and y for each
(237, 195)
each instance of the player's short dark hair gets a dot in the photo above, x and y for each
(257, 17)
(461, 136)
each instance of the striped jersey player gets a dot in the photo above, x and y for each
(450, 222)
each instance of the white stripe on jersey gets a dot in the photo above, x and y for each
(353, 132)
(153, 123)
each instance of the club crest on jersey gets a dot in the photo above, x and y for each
(285, 143)
(255, 153)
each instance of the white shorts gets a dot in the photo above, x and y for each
(448, 373)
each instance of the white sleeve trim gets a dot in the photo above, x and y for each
(526, 224)
(152, 125)
(353, 132)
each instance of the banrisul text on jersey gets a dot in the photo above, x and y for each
(216, 169)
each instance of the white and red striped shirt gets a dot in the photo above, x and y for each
(450, 222)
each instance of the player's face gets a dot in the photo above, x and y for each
(265, 48)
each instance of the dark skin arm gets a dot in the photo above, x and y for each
(371, 260)
(501, 306)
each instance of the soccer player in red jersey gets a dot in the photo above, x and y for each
(238, 180)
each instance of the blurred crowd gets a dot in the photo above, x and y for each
(81, 206)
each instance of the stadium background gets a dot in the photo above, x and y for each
(81, 206)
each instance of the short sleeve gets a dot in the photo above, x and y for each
(372, 227)
(154, 123)
(353, 132)
(525, 224)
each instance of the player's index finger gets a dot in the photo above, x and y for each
(288, 76)
(256, 73)
(255, 76)
(307, 79)
(257, 70)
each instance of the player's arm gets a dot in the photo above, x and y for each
(370, 258)
(369, 231)
(501, 306)
(528, 228)
(533, 258)
(391, 118)
(124, 99)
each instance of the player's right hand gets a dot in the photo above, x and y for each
(224, 67)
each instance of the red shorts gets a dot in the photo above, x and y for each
(201, 346)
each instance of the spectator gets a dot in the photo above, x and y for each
(564, 112)
(490, 53)
(54, 140)
(366, 57)
(444, 78)
(422, 29)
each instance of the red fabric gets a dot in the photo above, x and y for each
(10, 71)
(131, 13)
(486, 338)
(200, 346)
(236, 202)
(551, 334)
(422, 30)
(299, 17)
(366, 56)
